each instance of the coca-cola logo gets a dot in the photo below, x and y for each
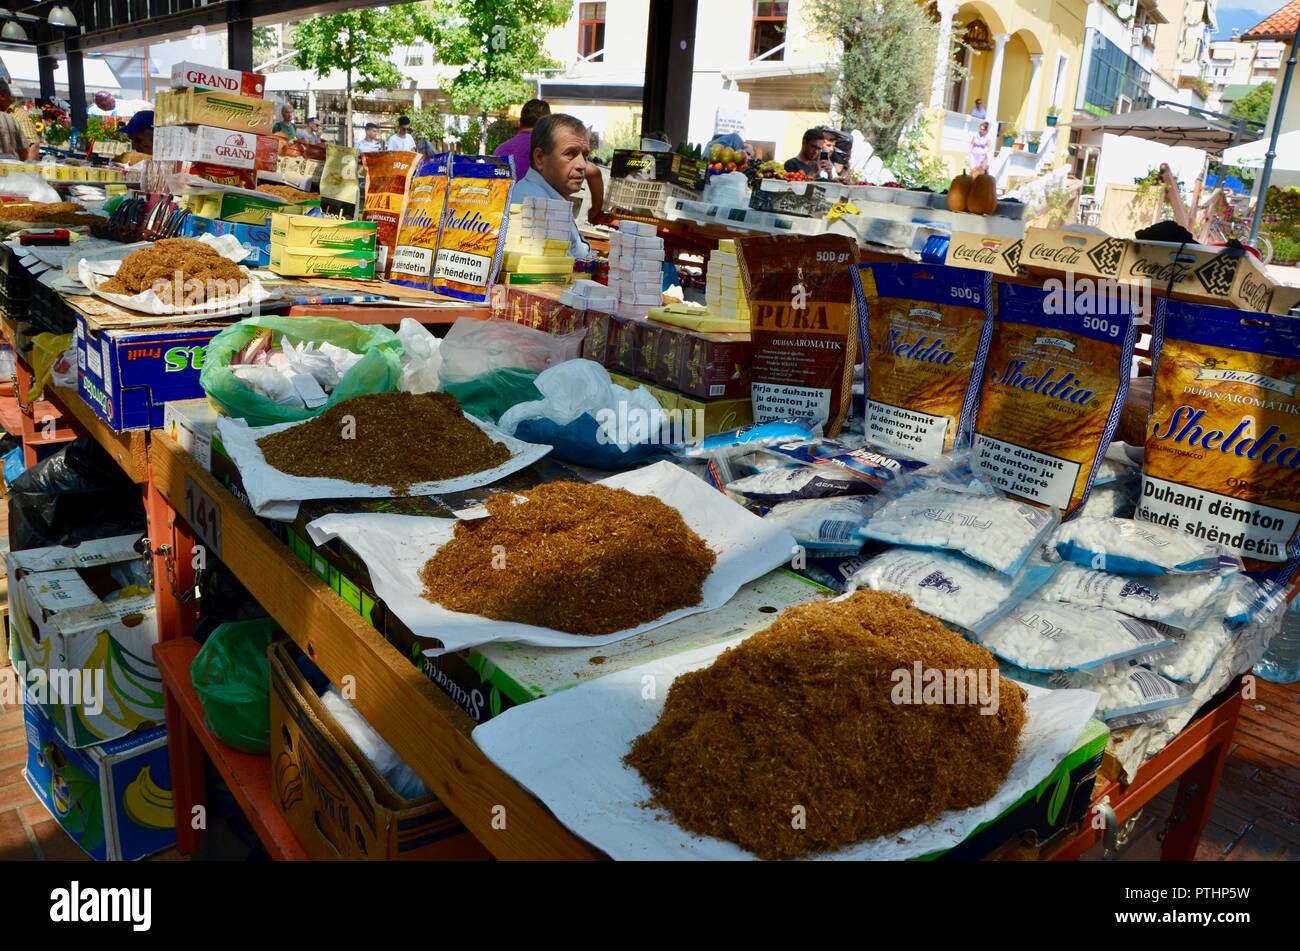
(1057, 255)
(977, 255)
(1158, 272)
(1255, 293)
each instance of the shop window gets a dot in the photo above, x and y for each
(591, 32)
(769, 30)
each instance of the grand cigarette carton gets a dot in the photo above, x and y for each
(226, 147)
(219, 80)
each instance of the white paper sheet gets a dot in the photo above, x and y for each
(275, 494)
(568, 750)
(94, 273)
(396, 547)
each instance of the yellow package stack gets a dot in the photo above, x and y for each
(724, 291)
(314, 246)
(538, 242)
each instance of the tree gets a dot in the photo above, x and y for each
(1254, 105)
(884, 69)
(359, 43)
(496, 44)
(265, 45)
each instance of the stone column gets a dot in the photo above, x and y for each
(943, 54)
(1035, 80)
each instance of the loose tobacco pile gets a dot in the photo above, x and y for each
(580, 558)
(180, 271)
(802, 715)
(392, 439)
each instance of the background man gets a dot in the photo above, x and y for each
(140, 131)
(312, 134)
(285, 126)
(372, 142)
(14, 143)
(402, 140)
(520, 148)
(560, 158)
(814, 159)
(979, 112)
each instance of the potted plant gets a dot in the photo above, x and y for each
(1032, 139)
(1053, 115)
(1009, 133)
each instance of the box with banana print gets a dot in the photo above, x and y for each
(114, 800)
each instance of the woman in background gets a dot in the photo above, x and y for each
(981, 144)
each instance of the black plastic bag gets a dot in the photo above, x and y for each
(75, 495)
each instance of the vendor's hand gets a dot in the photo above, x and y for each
(597, 216)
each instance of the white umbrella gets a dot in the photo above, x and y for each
(1251, 155)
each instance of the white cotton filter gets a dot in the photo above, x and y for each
(823, 525)
(1044, 636)
(988, 527)
(1136, 695)
(1182, 601)
(1114, 498)
(805, 482)
(1129, 547)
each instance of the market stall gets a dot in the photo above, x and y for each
(451, 576)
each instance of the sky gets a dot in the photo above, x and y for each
(1243, 14)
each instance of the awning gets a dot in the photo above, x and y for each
(1168, 127)
(24, 73)
(1252, 155)
(784, 87)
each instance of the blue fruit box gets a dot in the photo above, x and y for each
(114, 800)
(126, 375)
(256, 238)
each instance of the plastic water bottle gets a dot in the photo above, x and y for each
(1281, 663)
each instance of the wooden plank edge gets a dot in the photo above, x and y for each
(421, 723)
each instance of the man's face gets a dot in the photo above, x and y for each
(565, 166)
(816, 147)
(313, 127)
(6, 100)
(286, 114)
(403, 130)
(372, 133)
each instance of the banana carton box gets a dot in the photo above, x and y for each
(114, 800)
(82, 630)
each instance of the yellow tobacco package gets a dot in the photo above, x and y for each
(925, 334)
(417, 236)
(1223, 445)
(474, 231)
(1057, 376)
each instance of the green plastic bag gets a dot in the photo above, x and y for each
(490, 395)
(379, 370)
(233, 680)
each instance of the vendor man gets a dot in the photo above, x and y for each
(559, 164)
(14, 142)
(814, 158)
(372, 142)
(140, 131)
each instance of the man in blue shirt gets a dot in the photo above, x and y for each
(559, 150)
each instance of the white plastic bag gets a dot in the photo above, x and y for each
(1047, 636)
(421, 357)
(473, 348)
(575, 387)
(31, 187)
(374, 747)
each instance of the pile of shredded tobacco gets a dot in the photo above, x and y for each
(49, 212)
(792, 743)
(287, 192)
(393, 439)
(181, 271)
(573, 557)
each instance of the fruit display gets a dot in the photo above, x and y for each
(958, 192)
(772, 171)
(723, 160)
(982, 198)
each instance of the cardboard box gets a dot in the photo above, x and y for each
(126, 376)
(705, 416)
(1199, 273)
(156, 174)
(1285, 299)
(705, 365)
(1058, 250)
(225, 147)
(95, 657)
(356, 265)
(314, 232)
(539, 308)
(191, 424)
(114, 800)
(219, 80)
(338, 805)
(234, 207)
(644, 166)
(687, 173)
(225, 110)
(986, 252)
(256, 238)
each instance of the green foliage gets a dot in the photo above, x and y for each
(101, 129)
(359, 42)
(915, 168)
(263, 44)
(429, 124)
(624, 135)
(884, 69)
(1254, 105)
(1201, 87)
(498, 132)
(1285, 249)
(1282, 208)
(467, 143)
(496, 43)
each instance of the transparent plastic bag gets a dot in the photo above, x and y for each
(473, 348)
(1048, 636)
(1130, 547)
(232, 677)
